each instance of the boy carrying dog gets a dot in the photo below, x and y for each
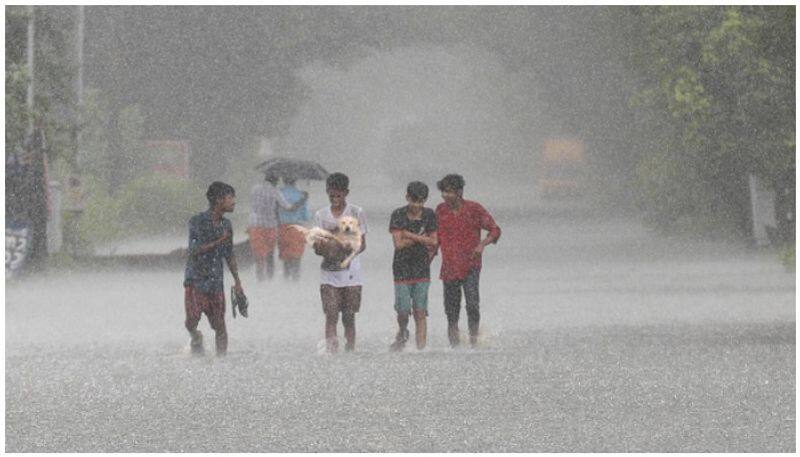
(413, 228)
(340, 287)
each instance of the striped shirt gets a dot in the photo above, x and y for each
(265, 200)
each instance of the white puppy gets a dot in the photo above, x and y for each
(348, 234)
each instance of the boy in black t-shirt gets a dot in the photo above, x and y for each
(413, 228)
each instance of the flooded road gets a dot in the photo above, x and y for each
(596, 336)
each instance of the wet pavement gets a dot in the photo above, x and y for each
(596, 336)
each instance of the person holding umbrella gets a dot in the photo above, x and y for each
(266, 199)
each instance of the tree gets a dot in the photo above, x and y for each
(716, 102)
(53, 137)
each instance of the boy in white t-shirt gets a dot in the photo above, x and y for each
(340, 289)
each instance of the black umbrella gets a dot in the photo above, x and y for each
(296, 168)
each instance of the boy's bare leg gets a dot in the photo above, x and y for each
(349, 321)
(192, 320)
(421, 328)
(217, 321)
(402, 331)
(221, 340)
(332, 342)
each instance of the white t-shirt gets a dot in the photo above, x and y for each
(352, 276)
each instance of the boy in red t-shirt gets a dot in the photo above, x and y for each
(460, 223)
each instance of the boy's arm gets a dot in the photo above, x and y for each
(433, 249)
(487, 223)
(400, 240)
(231, 260)
(428, 240)
(213, 244)
(195, 247)
(398, 231)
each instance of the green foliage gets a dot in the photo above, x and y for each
(148, 205)
(152, 204)
(53, 77)
(131, 158)
(721, 82)
(101, 219)
(788, 258)
(124, 197)
(96, 156)
(17, 113)
(112, 143)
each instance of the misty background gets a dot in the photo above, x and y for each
(676, 105)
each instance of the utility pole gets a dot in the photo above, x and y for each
(79, 89)
(34, 190)
(31, 37)
(73, 202)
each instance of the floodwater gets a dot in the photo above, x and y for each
(596, 336)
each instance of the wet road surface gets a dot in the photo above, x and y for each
(596, 336)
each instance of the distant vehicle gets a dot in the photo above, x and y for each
(561, 168)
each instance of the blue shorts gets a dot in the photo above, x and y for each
(408, 296)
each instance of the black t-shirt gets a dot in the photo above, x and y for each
(412, 262)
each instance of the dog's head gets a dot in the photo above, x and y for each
(348, 225)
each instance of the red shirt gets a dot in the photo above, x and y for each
(460, 234)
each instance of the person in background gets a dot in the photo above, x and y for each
(460, 224)
(413, 228)
(210, 241)
(340, 289)
(263, 229)
(291, 242)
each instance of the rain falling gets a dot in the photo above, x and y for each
(600, 257)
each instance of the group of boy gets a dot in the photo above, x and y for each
(418, 233)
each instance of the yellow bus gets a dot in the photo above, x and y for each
(561, 168)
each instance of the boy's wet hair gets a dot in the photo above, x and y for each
(451, 182)
(218, 190)
(337, 181)
(418, 191)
